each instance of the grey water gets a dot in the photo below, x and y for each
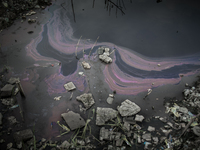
(166, 29)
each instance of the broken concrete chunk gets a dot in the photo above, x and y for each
(186, 92)
(31, 13)
(104, 134)
(155, 140)
(151, 129)
(86, 65)
(105, 114)
(129, 120)
(147, 136)
(57, 98)
(7, 90)
(119, 142)
(31, 20)
(23, 135)
(69, 86)
(105, 58)
(86, 99)
(126, 126)
(128, 108)
(73, 120)
(139, 118)
(9, 145)
(13, 80)
(183, 110)
(110, 100)
(65, 145)
(1, 117)
(100, 50)
(8, 101)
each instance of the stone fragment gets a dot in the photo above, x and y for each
(9, 145)
(126, 126)
(139, 118)
(129, 120)
(7, 90)
(8, 101)
(57, 98)
(105, 58)
(31, 20)
(1, 117)
(23, 135)
(13, 80)
(65, 145)
(151, 129)
(186, 92)
(139, 139)
(147, 136)
(69, 86)
(105, 114)
(104, 134)
(86, 99)
(128, 108)
(30, 13)
(100, 50)
(110, 100)
(183, 110)
(86, 65)
(119, 142)
(155, 140)
(73, 120)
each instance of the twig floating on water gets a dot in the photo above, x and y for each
(73, 10)
(77, 45)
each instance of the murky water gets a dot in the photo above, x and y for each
(143, 38)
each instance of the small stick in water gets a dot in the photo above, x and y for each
(20, 88)
(77, 45)
(112, 52)
(93, 46)
(83, 48)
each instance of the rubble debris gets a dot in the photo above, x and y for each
(139, 118)
(23, 135)
(57, 98)
(13, 80)
(106, 134)
(65, 145)
(9, 145)
(1, 117)
(128, 108)
(105, 56)
(110, 99)
(151, 129)
(86, 65)
(30, 13)
(8, 101)
(69, 86)
(129, 120)
(73, 120)
(7, 90)
(155, 140)
(31, 20)
(146, 145)
(86, 99)
(147, 137)
(126, 126)
(81, 73)
(105, 114)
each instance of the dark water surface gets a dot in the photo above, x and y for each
(166, 29)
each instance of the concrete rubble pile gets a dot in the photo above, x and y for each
(104, 54)
(14, 9)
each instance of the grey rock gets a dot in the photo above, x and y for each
(183, 110)
(105, 58)
(128, 108)
(31, 20)
(6, 91)
(155, 140)
(129, 120)
(105, 114)
(110, 100)
(1, 117)
(151, 129)
(100, 50)
(139, 118)
(69, 86)
(147, 136)
(186, 92)
(13, 80)
(86, 99)
(8, 101)
(9, 145)
(73, 120)
(139, 139)
(119, 142)
(126, 126)
(104, 134)
(23, 135)
(65, 145)
(86, 65)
